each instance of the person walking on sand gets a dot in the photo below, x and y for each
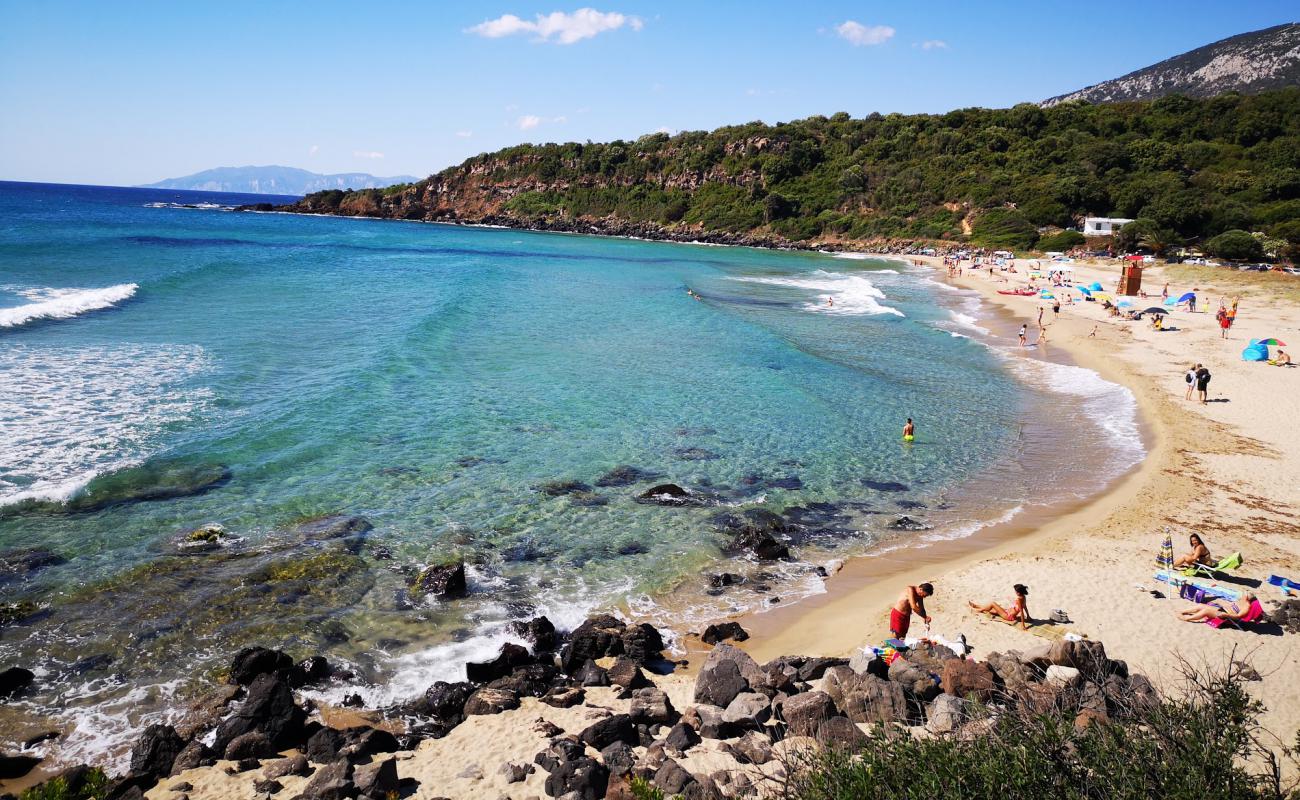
(1225, 322)
(1040, 318)
(911, 601)
(1164, 293)
(1190, 377)
(1056, 309)
(1202, 383)
(1024, 331)
(909, 431)
(1019, 611)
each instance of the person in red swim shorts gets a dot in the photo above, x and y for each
(911, 601)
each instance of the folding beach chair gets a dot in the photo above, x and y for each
(1232, 562)
(1253, 614)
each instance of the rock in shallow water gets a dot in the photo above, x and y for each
(442, 581)
(624, 475)
(155, 480)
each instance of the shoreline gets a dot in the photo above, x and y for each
(872, 581)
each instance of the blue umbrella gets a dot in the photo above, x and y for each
(1186, 297)
(1124, 303)
(1095, 286)
(1085, 290)
(1169, 301)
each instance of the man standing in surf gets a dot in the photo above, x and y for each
(909, 431)
(911, 601)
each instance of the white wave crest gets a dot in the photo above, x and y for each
(850, 295)
(71, 413)
(63, 303)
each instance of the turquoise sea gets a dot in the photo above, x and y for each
(163, 367)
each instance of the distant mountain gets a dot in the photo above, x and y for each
(1247, 63)
(275, 180)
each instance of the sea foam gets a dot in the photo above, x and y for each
(851, 295)
(62, 303)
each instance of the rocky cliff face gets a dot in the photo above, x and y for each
(1246, 63)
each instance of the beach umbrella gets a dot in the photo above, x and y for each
(1270, 341)
(1169, 301)
(1186, 297)
(1084, 290)
(1124, 303)
(1165, 560)
(1102, 297)
(1156, 310)
(1095, 286)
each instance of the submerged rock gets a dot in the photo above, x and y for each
(441, 581)
(669, 494)
(884, 486)
(695, 454)
(14, 680)
(624, 475)
(559, 488)
(21, 563)
(906, 523)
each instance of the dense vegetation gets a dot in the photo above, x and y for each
(1204, 746)
(1190, 170)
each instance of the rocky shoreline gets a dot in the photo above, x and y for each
(261, 730)
(617, 227)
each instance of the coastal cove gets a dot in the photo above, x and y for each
(762, 344)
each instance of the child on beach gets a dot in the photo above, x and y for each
(1190, 377)
(1024, 330)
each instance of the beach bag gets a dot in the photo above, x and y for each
(1190, 591)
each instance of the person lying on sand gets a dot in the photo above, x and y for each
(1218, 609)
(911, 601)
(1019, 611)
(1200, 554)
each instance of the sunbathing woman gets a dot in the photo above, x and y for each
(1019, 611)
(1219, 609)
(1200, 554)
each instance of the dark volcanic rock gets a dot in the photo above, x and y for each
(602, 733)
(539, 630)
(592, 674)
(16, 766)
(324, 745)
(695, 454)
(803, 713)
(531, 680)
(968, 680)
(681, 737)
(840, 733)
(333, 527)
(906, 523)
(651, 706)
(558, 752)
(377, 779)
(624, 475)
(491, 701)
(755, 531)
(14, 680)
(194, 754)
(725, 674)
(330, 782)
(582, 778)
(155, 752)
(672, 778)
(618, 758)
(442, 581)
(269, 708)
(510, 656)
(253, 744)
(866, 698)
(669, 494)
(254, 661)
(722, 631)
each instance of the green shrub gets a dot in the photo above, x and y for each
(1060, 242)
(1004, 229)
(94, 785)
(1235, 245)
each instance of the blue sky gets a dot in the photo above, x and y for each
(127, 93)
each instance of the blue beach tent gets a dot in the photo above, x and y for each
(1095, 286)
(1186, 297)
(1255, 351)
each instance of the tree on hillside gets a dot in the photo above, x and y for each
(1235, 246)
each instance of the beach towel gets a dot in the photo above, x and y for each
(1253, 614)
(1044, 629)
(1286, 585)
(1212, 588)
(1233, 561)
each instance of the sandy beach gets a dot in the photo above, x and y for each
(1225, 469)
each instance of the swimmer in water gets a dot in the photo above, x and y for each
(830, 301)
(909, 431)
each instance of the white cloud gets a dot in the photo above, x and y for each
(664, 129)
(932, 44)
(557, 27)
(313, 150)
(857, 34)
(528, 122)
(367, 154)
(464, 134)
(560, 120)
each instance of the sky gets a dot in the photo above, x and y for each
(134, 92)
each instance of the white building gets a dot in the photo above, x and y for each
(1103, 226)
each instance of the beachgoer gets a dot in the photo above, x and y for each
(1225, 322)
(1164, 293)
(911, 601)
(1056, 308)
(1040, 318)
(1202, 383)
(1024, 329)
(1283, 359)
(1093, 335)
(1191, 304)
(909, 431)
(1019, 611)
(1218, 609)
(1190, 377)
(1199, 554)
